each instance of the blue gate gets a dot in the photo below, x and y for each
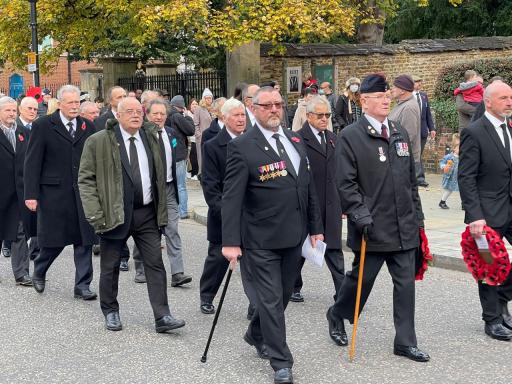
(15, 85)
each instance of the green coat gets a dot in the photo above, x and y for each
(100, 178)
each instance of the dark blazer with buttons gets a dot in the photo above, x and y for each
(101, 121)
(275, 213)
(485, 175)
(212, 181)
(427, 123)
(51, 177)
(12, 202)
(323, 168)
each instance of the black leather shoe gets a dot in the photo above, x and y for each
(124, 266)
(297, 297)
(283, 375)
(24, 281)
(498, 332)
(260, 348)
(140, 278)
(207, 308)
(412, 353)
(6, 251)
(168, 323)
(113, 321)
(38, 284)
(442, 205)
(85, 294)
(423, 184)
(180, 279)
(336, 329)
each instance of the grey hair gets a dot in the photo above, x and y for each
(256, 97)
(86, 104)
(229, 105)
(158, 102)
(245, 91)
(217, 103)
(145, 94)
(317, 100)
(110, 90)
(26, 99)
(4, 100)
(68, 88)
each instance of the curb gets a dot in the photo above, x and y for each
(440, 261)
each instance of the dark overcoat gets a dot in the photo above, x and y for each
(323, 166)
(51, 177)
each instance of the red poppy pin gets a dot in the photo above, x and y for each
(83, 126)
(295, 139)
(21, 138)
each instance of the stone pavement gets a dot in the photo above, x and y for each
(443, 227)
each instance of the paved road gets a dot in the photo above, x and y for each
(53, 338)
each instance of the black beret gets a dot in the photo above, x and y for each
(374, 83)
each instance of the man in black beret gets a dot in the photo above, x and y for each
(376, 182)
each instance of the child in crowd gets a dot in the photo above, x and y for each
(472, 89)
(450, 164)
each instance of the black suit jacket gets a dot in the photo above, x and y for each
(323, 168)
(272, 214)
(427, 123)
(51, 177)
(101, 121)
(122, 231)
(212, 181)
(485, 175)
(12, 202)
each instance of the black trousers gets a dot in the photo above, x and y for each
(492, 298)
(215, 267)
(420, 176)
(401, 268)
(145, 233)
(336, 264)
(83, 264)
(273, 274)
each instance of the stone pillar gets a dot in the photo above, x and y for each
(160, 69)
(115, 68)
(91, 81)
(243, 65)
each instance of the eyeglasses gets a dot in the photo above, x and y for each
(320, 115)
(269, 106)
(132, 112)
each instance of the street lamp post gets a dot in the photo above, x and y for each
(33, 27)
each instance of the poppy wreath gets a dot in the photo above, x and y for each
(424, 256)
(494, 273)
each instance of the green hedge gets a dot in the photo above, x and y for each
(450, 76)
(445, 114)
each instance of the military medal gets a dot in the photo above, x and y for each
(402, 149)
(382, 157)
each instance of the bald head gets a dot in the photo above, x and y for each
(28, 109)
(498, 99)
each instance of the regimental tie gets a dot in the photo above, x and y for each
(282, 152)
(323, 143)
(384, 131)
(505, 138)
(138, 197)
(71, 129)
(418, 98)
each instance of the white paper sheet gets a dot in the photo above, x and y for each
(315, 255)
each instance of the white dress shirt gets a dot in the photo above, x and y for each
(251, 116)
(316, 134)
(143, 163)
(377, 125)
(288, 146)
(168, 155)
(497, 126)
(221, 124)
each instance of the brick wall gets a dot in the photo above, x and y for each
(58, 77)
(424, 58)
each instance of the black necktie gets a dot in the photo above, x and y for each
(384, 131)
(322, 141)
(506, 140)
(419, 99)
(162, 149)
(71, 130)
(138, 197)
(282, 153)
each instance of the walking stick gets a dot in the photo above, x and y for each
(352, 350)
(203, 358)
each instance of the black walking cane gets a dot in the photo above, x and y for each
(203, 358)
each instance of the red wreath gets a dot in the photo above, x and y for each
(424, 257)
(494, 273)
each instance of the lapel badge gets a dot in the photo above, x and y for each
(21, 138)
(266, 148)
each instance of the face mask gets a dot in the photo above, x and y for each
(354, 88)
(321, 92)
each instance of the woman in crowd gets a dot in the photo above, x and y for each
(202, 120)
(348, 107)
